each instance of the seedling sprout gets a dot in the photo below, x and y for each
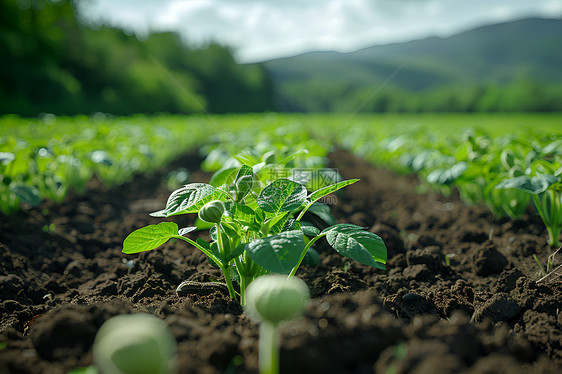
(271, 300)
(135, 344)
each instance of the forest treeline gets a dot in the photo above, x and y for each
(520, 95)
(53, 62)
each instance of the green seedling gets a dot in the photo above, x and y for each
(448, 258)
(49, 228)
(546, 193)
(256, 230)
(271, 300)
(135, 344)
(541, 270)
(478, 184)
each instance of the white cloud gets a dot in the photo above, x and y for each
(553, 7)
(262, 29)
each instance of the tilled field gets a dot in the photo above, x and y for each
(459, 294)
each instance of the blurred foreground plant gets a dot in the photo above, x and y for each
(271, 300)
(135, 344)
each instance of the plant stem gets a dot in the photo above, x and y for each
(303, 212)
(269, 348)
(556, 217)
(228, 280)
(219, 241)
(538, 263)
(549, 218)
(225, 266)
(306, 247)
(243, 279)
(243, 284)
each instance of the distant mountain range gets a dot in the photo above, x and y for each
(528, 49)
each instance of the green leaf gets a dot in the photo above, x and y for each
(354, 242)
(217, 159)
(6, 158)
(243, 214)
(27, 194)
(318, 194)
(243, 171)
(230, 229)
(507, 159)
(84, 370)
(204, 244)
(533, 185)
(278, 253)
(244, 182)
(251, 201)
(222, 176)
(323, 212)
(186, 230)
(149, 237)
(282, 195)
(292, 156)
(248, 158)
(237, 251)
(309, 230)
(260, 215)
(447, 176)
(190, 198)
(276, 222)
(159, 213)
(279, 225)
(291, 224)
(214, 249)
(202, 225)
(553, 147)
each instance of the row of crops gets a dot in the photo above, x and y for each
(506, 162)
(506, 171)
(46, 158)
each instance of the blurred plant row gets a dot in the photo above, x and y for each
(492, 160)
(505, 172)
(45, 159)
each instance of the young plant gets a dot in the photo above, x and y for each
(256, 230)
(546, 193)
(135, 344)
(272, 299)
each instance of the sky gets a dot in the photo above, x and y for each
(259, 30)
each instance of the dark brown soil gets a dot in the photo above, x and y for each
(484, 313)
